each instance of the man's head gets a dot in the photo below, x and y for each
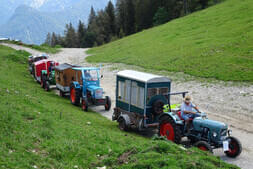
(187, 99)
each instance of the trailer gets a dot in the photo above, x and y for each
(64, 74)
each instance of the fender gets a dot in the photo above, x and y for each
(76, 85)
(126, 118)
(175, 117)
(44, 72)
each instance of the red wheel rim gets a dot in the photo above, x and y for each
(72, 95)
(168, 131)
(233, 148)
(202, 148)
(106, 106)
(84, 105)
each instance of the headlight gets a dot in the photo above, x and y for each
(214, 134)
(229, 132)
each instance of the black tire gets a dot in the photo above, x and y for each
(235, 147)
(122, 124)
(168, 128)
(47, 86)
(85, 105)
(108, 103)
(74, 95)
(42, 83)
(158, 107)
(203, 145)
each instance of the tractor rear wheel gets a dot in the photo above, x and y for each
(84, 105)
(203, 145)
(158, 107)
(169, 128)
(108, 103)
(235, 147)
(74, 95)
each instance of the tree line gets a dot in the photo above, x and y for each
(125, 18)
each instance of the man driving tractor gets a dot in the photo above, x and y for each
(188, 113)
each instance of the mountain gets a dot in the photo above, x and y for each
(30, 25)
(31, 20)
(214, 43)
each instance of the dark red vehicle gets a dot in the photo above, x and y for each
(33, 59)
(43, 66)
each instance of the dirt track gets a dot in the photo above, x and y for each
(230, 103)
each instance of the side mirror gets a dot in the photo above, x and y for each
(102, 76)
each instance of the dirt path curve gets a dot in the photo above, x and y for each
(232, 104)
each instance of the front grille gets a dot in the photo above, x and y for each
(223, 132)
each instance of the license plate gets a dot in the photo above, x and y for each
(225, 146)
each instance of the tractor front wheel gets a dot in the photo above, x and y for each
(74, 95)
(108, 103)
(84, 105)
(235, 147)
(169, 128)
(47, 86)
(203, 145)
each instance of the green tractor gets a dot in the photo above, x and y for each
(48, 76)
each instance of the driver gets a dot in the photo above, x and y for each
(188, 113)
(87, 75)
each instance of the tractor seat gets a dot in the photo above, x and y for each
(179, 113)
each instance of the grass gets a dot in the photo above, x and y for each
(42, 48)
(213, 43)
(42, 130)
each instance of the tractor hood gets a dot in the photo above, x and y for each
(200, 123)
(96, 92)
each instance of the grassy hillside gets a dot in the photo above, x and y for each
(216, 42)
(34, 134)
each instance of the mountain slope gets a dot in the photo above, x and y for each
(216, 42)
(41, 130)
(33, 19)
(30, 25)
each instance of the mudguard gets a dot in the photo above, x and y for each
(173, 116)
(126, 118)
(76, 85)
(44, 72)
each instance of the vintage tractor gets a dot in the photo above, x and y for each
(48, 76)
(33, 59)
(85, 88)
(140, 98)
(204, 133)
(44, 72)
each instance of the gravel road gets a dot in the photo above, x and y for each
(231, 103)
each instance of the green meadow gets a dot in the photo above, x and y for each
(212, 43)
